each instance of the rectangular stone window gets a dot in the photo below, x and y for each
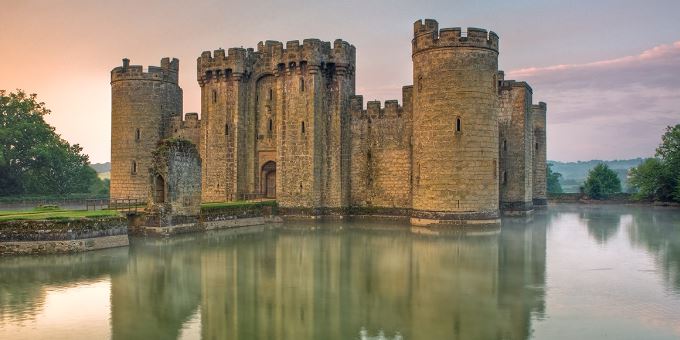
(214, 94)
(133, 167)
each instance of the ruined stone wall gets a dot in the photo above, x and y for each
(515, 141)
(141, 106)
(380, 155)
(174, 181)
(540, 159)
(455, 125)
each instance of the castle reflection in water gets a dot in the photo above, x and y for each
(328, 281)
(299, 284)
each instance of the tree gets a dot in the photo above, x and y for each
(650, 180)
(602, 182)
(553, 179)
(659, 178)
(669, 152)
(34, 159)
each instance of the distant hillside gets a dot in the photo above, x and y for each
(101, 167)
(575, 173)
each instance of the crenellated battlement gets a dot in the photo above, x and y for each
(541, 108)
(508, 85)
(187, 128)
(221, 66)
(312, 52)
(427, 35)
(167, 72)
(311, 55)
(374, 109)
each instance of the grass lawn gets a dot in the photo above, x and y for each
(52, 214)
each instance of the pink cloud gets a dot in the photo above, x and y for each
(615, 108)
(661, 52)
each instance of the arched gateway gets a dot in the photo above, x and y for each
(268, 180)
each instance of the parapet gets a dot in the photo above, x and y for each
(312, 52)
(374, 109)
(508, 85)
(168, 71)
(190, 121)
(221, 65)
(540, 108)
(427, 35)
(356, 106)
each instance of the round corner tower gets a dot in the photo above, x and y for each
(141, 106)
(455, 125)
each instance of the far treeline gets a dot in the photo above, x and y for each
(656, 178)
(34, 159)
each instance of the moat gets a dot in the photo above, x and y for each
(574, 271)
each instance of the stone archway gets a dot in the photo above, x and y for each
(268, 180)
(159, 189)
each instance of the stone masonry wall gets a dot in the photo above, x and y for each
(223, 125)
(287, 105)
(515, 141)
(455, 124)
(380, 155)
(141, 106)
(442, 156)
(189, 128)
(174, 181)
(540, 159)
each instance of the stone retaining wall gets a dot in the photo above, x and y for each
(31, 237)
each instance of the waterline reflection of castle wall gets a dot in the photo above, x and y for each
(334, 283)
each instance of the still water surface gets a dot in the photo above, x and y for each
(573, 272)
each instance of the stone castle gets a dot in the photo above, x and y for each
(285, 122)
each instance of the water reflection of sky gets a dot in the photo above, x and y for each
(571, 272)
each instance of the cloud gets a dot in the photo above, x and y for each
(616, 108)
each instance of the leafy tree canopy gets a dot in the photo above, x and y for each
(602, 182)
(34, 159)
(659, 178)
(553, 179)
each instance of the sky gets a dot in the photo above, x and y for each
(608, 69)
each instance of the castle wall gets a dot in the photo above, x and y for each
(455, 125)
(286, 118)
(540, 158)
(265, 129)
(188, 128)
(223, 82)
(290, 106)
(515, 125)
(299, 177)
(141, 106)
(380, 154)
